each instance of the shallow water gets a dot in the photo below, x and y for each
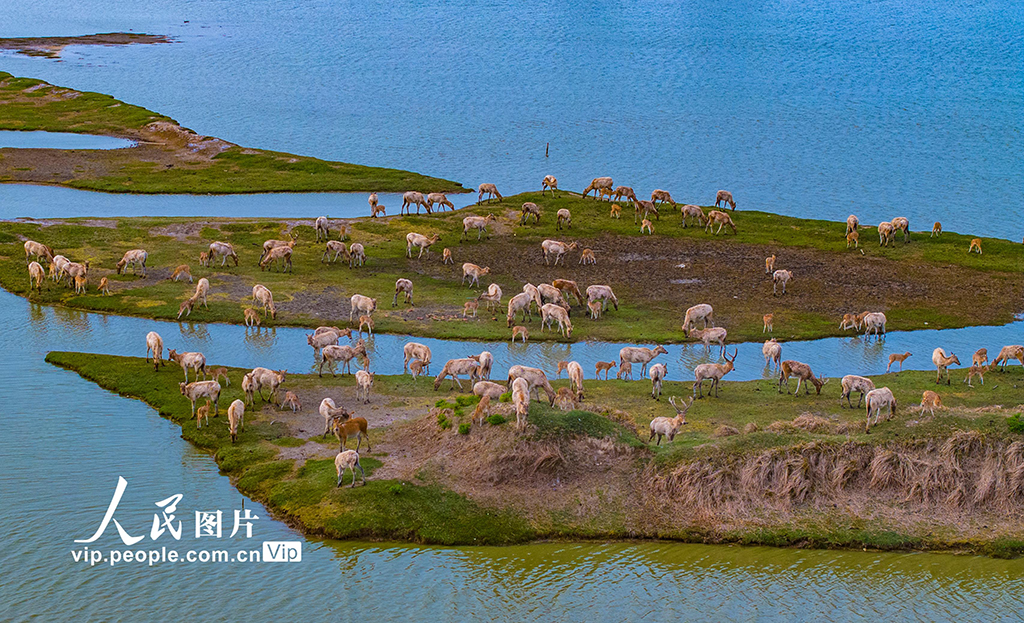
(60, 140)
(807, 108)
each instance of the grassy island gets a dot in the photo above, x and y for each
(167, 158)
(753, 466)
(919, 285)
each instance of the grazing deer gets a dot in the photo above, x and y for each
(936, 230)
(901, 223)
(519, 303)
(273, 244)
(38, 250)
(36, 276)
(853, 240)
(186, 306)
(557, 249)
(204, 259)
(780, 276)
(413, 198)
(975, 245)
(597, 185)
(403, 286)
(942, 362)
(853, 383)
(104, 285)
(768, 326)
(642, 209)
(931, 401)
(603, 365)
(724, 197)
(893, 358)
(252, 317)
(712, 334)
(338, 249)
(529, 209)
(155, 344)
(550, 183)
(721, 219)
(663, 196)
(220, 373)
(223, 249)
(886, 234)
(454, 368)
(852, 224)
(362, 304)
(876, 400)
(712, 372)
(490, 190)
(520, 330)
(136, 258)
(200, 389)
(587, 257)
(623, 192)
(275, 255)
(492, 297)
(441, 200)
(849, 322)
(550, 313)
(669, 426)
(803, 375)
(616, 211)
(699, 312)
(690, 211)
(980, 357)
(470, 306)
(657, 374)
(976, 371)
(594, 307)
(182, 271)
(1007, 353)
(415, 350)
(563, 218)
(446, 257)
(625, 371)
(291, 401)
(646, 224)
(873, 321)
(769, 264)
(261, 295)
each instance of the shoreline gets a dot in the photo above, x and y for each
(294, 478)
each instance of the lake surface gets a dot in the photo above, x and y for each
(806, 108)
(60, 140)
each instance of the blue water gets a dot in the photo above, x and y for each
(60, 140)
(826, 108)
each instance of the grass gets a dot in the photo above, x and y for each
(163, 163)
(424, 510)
(317, 293)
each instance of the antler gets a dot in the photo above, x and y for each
(672, 400)
(734, 353)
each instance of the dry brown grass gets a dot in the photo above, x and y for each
(724, 430)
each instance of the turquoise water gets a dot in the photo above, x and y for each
(805, 108)
(60, 140)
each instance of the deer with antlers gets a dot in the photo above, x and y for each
(669, 426)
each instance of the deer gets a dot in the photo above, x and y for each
(901, 223)
(320, 225)
(196, 361)
(490, 190)
(348, 460)
(876, 400)
(182, 271)
(273, 244)
(275, 255)
(976, 371)
(603, 294)
(440, 199)
(721, 219)
(329, 410)
(616, 211)
(669, 426)
(487, 389)
(550, 294)
(724, 197)
(550, 183)
(852, 224)
(768, 320)
(332, 354)
(362, 304)
(263, 377)
(319, 340)
(364, 383)
(931, 401)
(594, 309)
(345, 426)
(555, 313)
(412, 239)
(853, 383)
(575, 371)
(529, 209)
(261, 295)
(366, 321)
(606, 366)
(413, 198)
(1008, 353)
(711, 334)
(486, 361)
(936, 230)
(623, 192)
(803, 375)
(520, 331)
(783, 277)
(557, 249)
(220, 373)
(849, 321)
(587, 257)
(38, 250)
(224, 250)
(202, 413)
(873, 321)
(492, 297)
(521, 401)
(713, 372)
(657, 374)
(690, 211)
(415, 350)
(454, 368)
(204, 259)
(519, 303)
(155, 345)
(942, 363)
(644, 208)
(663, 196)
(596, 185)
(769, 264)
(772, 351)
(853, 240)
(81, 281)
(980, 357)
(641, 355)
(700, 312)
(893, 358)
(403, 286)
(474, 273)
(186, 306)
(563, 219)
(136, 258)
(886, 234)
(975, 246)
(536, 379)
(625, 372)
(646, 224)
(200, 389)
(291, 401)
(336, 247)
(479, 223)
(568, 287)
